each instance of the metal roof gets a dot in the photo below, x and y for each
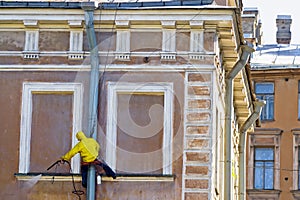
(276, 56)
(109, 5)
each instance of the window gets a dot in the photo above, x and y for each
(38, 120)
(265, 91)
(296, 160)
(263, 180)
(264, 168)
(135, 141)
(299, 100)
(298, 169)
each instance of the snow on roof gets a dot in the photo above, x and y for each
(276, 56)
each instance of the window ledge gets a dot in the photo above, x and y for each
(263, 193)
(77, 177)
(296, 194)
(48, 176)
(141, 177)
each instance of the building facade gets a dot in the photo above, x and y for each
(173, 94)
(273, 147)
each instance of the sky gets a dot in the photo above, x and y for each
(268, 11)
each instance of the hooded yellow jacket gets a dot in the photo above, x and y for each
(87, 147)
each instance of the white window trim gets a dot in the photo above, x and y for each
(111, 131)
(261, 133)
(296, 149)
(29, 88)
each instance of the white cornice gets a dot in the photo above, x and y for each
(148, 68)
(187, 14)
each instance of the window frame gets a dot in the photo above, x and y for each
(29, 88)
(299, 100)
(264, 137)
(263, 96)
(263, 168)
(296, 161)
(111, 129)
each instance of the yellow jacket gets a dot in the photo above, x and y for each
(87, 147)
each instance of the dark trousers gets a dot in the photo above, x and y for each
(85, 168)
(84, 175)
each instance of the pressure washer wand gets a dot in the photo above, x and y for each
(57, 162)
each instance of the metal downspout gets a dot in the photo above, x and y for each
(89, 8)
(246, 51)
(242, 146)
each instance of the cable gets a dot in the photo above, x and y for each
(75, 191)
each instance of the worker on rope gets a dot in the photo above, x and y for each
(88, 149)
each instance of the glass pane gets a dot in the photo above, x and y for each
(298, 175)
(264, 88)
(258, 175)
(269, 175)
(264, 153)
(299, 106)
(269, 107)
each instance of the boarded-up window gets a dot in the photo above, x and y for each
(140, 133)
(139, 130)
(51, 129)
(51, 114)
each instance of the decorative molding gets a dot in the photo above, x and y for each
(75, 56)
(168, 24)
(258, 139)
(296, 149)
(196, 24)
(30, 23)
(197, 41)
(122, 23)
(31, 45)
(111, 67)
(30, 55)
(76, 45)
(123, 56)
(114, 88)
(75, 23)
(263, 194)
(168, 56)
(123, 45)
(196, 56)
(26, 117)
(169, 45)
